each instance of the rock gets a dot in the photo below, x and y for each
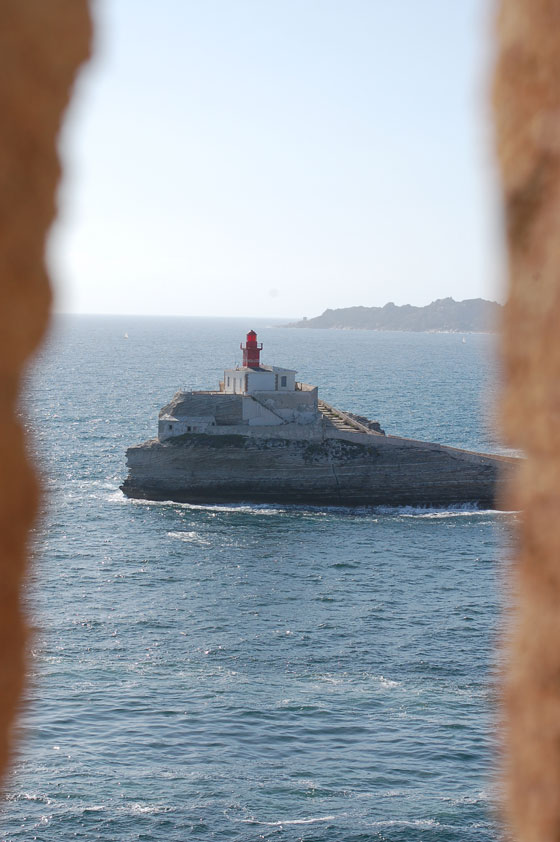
(344, 469)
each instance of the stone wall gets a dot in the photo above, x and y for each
(224, 408)
(169, 427)
(527, 124)
(295, 406)
(42, 44)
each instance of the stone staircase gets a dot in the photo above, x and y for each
(340, 420)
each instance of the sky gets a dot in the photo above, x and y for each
(278, 157)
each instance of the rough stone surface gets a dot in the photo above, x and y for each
(374, 426)
(41, 46)
(227, 409)
(331, 471)
(527, 120)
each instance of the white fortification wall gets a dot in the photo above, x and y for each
(193, 412)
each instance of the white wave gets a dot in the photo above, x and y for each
(483, 795)
(150, 809)
(116, 497)
(360, 682)
(29, 796)
(465, 510)
(406, 823)
(387, 682)
(189, 538)
(244, 508)
(284, 822)
(265, 509)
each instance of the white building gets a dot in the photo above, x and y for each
(267, 378)
(250, 395)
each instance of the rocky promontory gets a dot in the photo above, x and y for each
(475, 315)
(348, 469)
(264, 437)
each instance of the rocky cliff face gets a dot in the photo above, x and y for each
(389, 471)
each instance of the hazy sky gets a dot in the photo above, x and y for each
(277, 157)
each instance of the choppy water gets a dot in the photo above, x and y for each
(254, 672)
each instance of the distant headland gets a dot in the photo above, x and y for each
(475, 315)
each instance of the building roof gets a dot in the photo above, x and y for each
(274, 368)
(279, 368)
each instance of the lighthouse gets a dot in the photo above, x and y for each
(251, 395)
(253, 376)
(251, 351)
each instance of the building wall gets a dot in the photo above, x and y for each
(293, 407)
(256, 414)
(285, 379)
(200, 412)
(298, 432)
(170, 427)
(211, 407)
(226, 409)
(234, 381)
(246, 381)
(253, 413)
(258, 381)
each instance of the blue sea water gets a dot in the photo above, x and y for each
(254, 672)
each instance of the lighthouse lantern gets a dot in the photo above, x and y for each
(251, 351)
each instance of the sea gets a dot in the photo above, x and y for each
(255, 672)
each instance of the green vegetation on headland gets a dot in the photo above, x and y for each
(475, 315)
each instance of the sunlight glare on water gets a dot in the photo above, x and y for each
(253, 672)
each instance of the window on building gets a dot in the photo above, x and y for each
(284, 380)
(188, 429)
(170, 426)
(228, 381)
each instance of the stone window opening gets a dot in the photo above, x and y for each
(283, 380)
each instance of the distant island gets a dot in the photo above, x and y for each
(475, 315)
(264, 437)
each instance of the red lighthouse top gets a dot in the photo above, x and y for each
(251, 351)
